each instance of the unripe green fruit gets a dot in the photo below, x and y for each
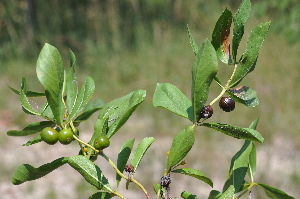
(65, 136)
(49, 135)
(101, 142)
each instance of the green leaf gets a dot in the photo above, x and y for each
(71, 89)
(102, 195)
(171, 98)
(188, 195)
(50, 72)
(90, 109)
(123, 156)
(239, 166)
(24, 100)
(156, 187)
(83, 97)
(244, 95)
(46, 111)
(35, 140)
(252, 162)
(236, 132)
(91, 172)
(118, 112)
(214, 194)
(239, 19)
(249, 57)
(30, 129)
(253, 124)
(192, 41)
(72, 58)
(204, 70)
(140, 151)
(27, 172)
(194, 173)
(228, 194)
(221, 36)
(182, 144)
(28, 93)
(274, 193)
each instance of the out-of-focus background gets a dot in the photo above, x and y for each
(134, 44)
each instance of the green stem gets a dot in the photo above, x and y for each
(86, 144)
(123, 176)
(244, 192)
(225, 88)
(118, 194)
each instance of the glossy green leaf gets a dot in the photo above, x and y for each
(118, 112)
(249, 57)
(187, 195)
(102, 195)
(244, 95)
(236, 132)
(28, 93)
(239, 19)
(123, 156)
(221, 36)
(171, 98)
(181, 145)
(30, 129)
(90, 109)
(50, 72)
(192, 41)
(204, 70)
(239, 166)
(83, 97)
(274, 193)
(71, 89)
(140, 151)
(34, 140)
(27, 172)
(194, 173)
(228, 194)
(91, 172)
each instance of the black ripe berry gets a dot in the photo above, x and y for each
(206, 112)
(227, 104)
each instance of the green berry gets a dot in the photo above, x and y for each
(101, 142)
(49, 135)
(65, 136)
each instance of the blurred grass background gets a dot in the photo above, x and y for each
(134, 44)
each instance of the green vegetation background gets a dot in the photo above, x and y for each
(134, 44)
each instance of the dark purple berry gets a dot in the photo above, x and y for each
(227, 104)
(206, 112)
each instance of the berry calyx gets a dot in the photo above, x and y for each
(101, 142)
(65, 136)
(206, 112)
(49, 135)
(227, 104)
(129, 168)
